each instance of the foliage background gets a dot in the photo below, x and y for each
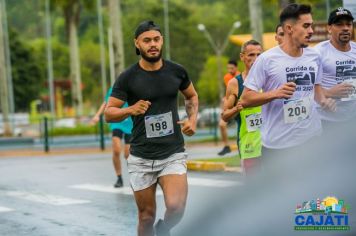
(188, 46)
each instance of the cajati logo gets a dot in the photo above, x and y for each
(327, 214)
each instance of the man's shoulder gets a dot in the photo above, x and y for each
(271, 51)
(269, 54)
(322, 44)
(174, 65)
(233, 81)
(131, 69)
(320, 47)
(311, 52)
(353, 46)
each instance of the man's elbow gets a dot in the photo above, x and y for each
(193, 98)
(245, 102)
(107, 115)
(224, 117)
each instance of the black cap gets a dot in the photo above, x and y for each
(144, 26)
(339, 13)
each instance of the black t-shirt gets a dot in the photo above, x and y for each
(156, 134)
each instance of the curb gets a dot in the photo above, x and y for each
(233, 147)
(205, 166)
(211, 166)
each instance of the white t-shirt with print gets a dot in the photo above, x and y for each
(338, 67)
(271, 70)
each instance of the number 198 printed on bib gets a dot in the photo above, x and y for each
(159, 125)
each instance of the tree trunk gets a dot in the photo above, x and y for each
(118, 43)
(75, 75)
(4, 93)
(255, 8)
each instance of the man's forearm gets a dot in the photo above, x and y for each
(228, 114)
(191, 107)
(328, 93)
(115, 114)
(320, 94)
(252, 98)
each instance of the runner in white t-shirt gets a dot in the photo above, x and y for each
(289, 76)
(338, 58)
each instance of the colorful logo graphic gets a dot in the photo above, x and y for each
(327, 214)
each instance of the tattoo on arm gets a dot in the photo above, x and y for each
(191, 107)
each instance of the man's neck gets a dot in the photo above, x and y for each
(150, 66)
(291, 49)
(244, 73)
(344, 47)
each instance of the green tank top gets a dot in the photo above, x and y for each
(249, 121)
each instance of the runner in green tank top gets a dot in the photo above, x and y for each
(248, 119)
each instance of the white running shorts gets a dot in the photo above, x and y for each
(145, 172)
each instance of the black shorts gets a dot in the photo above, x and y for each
(118, 133)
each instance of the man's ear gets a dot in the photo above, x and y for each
(288, 27)
(329, 28)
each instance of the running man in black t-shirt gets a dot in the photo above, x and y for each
(157, 147)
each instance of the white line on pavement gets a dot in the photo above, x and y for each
(108, 189)
(5, 209)
(212, 182)
(45, 198)
(204, 182)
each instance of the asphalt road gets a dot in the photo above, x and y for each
(75, 141)
(73, 195)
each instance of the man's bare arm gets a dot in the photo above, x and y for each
(338, 91)
(114, 112)
(191, 107)
(230, 110)
(321, 98)
(251, 98)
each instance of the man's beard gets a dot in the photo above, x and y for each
(151, 59)
(343, 40)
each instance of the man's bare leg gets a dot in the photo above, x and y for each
(175, 191)
(146, 204)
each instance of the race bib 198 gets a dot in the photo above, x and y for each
(159, 125)
(253, 122)
(296, 110)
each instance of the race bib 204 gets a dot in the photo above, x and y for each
(296, 110)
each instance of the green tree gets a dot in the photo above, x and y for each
(208, 84)
(28, 81)
(91, 72)
(71, 11)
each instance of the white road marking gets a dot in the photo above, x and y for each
(212, 182)
(5, 209)
(45, 198)
(204, 182)
(108, 189)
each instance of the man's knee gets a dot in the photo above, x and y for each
(116, 152)
(222, 123)
(147, 217)
(175, 207)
